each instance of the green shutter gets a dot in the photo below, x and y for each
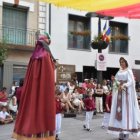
(14, 24)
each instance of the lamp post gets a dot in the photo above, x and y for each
(93, 14)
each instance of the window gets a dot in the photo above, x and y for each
(42, 8)
(79, 32)
(19, 72)
(120, 45)
(14, 24)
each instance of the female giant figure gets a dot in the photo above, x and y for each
(125, 113)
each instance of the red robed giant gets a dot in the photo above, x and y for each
(36, 116)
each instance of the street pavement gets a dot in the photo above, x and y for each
(72, 129)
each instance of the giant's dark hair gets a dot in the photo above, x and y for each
(126, 63)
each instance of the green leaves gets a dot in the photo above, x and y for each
(3, 51)
(97, 38)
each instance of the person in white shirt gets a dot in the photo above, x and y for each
(71, 86)
(66, 99)
(5, 117)
(77, 100)
(12, 91)
(13, 106)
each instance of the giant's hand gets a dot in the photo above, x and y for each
(56, 63)
(120, 87)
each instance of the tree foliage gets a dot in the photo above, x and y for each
(3, 51)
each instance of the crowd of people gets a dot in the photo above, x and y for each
(72, 96)
(9, 102)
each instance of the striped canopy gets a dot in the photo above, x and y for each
(124, 8)
(131, 11)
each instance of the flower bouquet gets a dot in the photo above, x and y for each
(99, 43)
(102, 40)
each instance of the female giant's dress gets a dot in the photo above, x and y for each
(36, 116)
(129, 120)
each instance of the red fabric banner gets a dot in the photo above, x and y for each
(132, 12)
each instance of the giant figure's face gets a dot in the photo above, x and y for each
(48, 41)
(123, 64)
(45, 38)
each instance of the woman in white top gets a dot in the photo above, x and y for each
(125, 113)
(13, 105)
(66, 99)
(77, 100)
(71, 86)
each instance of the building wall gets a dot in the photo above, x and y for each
(18, 56)
(59, 46)
(134, 42)
(15, 56)
(33, 16)
(0, 15)
(33, 11)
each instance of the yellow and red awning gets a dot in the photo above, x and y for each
(126, 8)
(131, 11)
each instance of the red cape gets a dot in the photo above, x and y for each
(37, 105)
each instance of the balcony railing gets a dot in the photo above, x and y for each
(18, 36)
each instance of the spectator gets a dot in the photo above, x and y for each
(12, 91)
(85, 84)
(66, 99)
(18, 91)
(77, 100)
(5, 117)
(58, 114)
(90, 106)
(75, 79)
(108, 103)
(99, 98)
(71, 86)
(3, 97)
(91, 84)
(13, 106)
(63, 87)
(105, 92)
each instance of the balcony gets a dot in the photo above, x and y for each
(19, 38)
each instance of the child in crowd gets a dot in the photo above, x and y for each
(3, 97)
(90, 106)
(5, 117)
(58, 114)
(107, 111)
